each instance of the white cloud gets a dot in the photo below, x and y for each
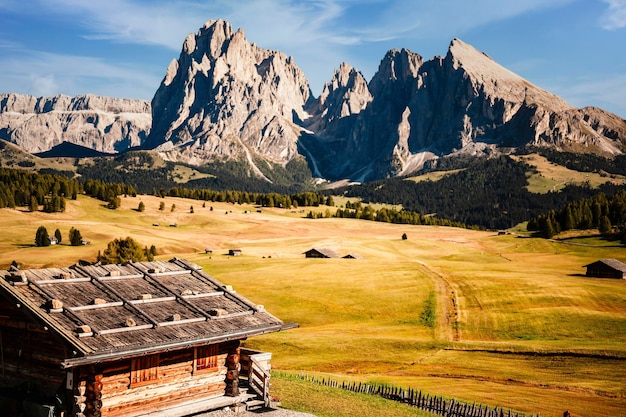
(318, 34)
(44, 85)
(615, 16)
(148, 23)
(42, 73)
(606, 92)
(445, 19)
(8, 44)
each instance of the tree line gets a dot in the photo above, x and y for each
(387, 215)
(489, 193)
(607, 214)
(29, 189)
(301, 199)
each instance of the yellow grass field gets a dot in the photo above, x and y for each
(517, 324)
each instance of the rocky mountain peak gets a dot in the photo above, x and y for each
(226, 98)
(498, 81)
(397, 66)
(345, 95)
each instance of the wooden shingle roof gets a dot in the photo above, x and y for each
(112, 311)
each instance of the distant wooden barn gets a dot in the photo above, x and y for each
(606, 268)
(235, 252)
(353, 256)
(321, 253)
(136, 339)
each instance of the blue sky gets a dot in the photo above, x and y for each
(121, 48)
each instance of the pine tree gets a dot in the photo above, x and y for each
(546, 227)
(568, 219)
(58, 236)
(604, 225)
(141, 207)
(76, 239)
(41, 237)
(34, 204)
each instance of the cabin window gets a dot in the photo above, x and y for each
(206, 357)
(144, 369)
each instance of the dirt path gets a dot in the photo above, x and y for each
(447, 328)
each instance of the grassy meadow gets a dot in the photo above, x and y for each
(501, 320)
(553, 177)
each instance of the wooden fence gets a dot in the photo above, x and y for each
(416, 398)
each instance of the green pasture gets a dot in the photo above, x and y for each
(434, 175)
(514, 321)
(552, 177)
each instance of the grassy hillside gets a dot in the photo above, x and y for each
(552, 177)
(515, 322)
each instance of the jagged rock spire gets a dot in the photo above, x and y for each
(225, 98)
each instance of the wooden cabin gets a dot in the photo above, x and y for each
(137, 339)
(606, 268)
(321, 253)
(234, 252)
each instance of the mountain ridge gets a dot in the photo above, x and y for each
(226, 99)
(104, 124)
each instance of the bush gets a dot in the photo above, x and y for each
(114, 203)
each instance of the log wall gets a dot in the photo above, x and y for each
(29, 351)
(110, 392)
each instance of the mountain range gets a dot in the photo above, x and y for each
(226, 99)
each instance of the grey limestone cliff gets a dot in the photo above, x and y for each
(225, 98)
(105, 124)
(464, 102)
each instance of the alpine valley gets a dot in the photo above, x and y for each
(225, 99)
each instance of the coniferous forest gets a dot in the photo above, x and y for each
(490, 193)
(481, 193)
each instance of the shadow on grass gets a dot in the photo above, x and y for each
(596, 241)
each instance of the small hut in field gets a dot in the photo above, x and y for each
(606, 268)
(135, 339)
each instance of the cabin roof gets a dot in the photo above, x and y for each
(327, 253)
(611, 263)
(112, 311)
